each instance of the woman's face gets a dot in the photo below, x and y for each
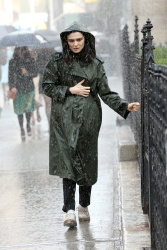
(76, 41)
(20, 52)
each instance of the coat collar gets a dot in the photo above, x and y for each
(83, 72)
(76, 70)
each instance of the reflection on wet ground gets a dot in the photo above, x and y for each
(31, 215)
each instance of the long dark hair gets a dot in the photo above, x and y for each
(26, 55)
(86, 53)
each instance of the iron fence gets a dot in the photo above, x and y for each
(146, 82)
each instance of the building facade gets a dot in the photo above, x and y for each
(155, 10)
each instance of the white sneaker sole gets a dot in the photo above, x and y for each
(84, 219)
(70, 223)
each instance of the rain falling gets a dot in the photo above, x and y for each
(61, 99)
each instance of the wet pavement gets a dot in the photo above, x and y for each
(31, 215)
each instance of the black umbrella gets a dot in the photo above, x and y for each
(6, 29)
(52, 37)
(22, 38)
(48, 34)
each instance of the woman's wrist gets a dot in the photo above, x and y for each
(70, 89)
(68, 92)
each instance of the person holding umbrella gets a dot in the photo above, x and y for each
(22, 69)
(74, 80)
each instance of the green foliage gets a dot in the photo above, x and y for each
(162, 61)
(160, 54)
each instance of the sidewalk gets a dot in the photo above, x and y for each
(31, 200)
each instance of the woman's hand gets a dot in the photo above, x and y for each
(24, 71)
(14, 90)
(78, 89)
(134, 106)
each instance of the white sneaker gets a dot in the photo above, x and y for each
(70, 219)
(83, 213)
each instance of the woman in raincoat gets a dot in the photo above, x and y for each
(22, 69)
(74, 79)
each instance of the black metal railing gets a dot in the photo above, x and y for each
(146, 83)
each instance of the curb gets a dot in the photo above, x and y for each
(135, 224)
(126, 144)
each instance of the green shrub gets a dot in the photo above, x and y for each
(160, 54)
(162, 61)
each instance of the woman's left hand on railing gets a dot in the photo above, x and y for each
(134, 106)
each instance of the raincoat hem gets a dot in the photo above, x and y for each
(74, 179)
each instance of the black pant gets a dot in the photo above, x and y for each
(69, 187)
(28, 118)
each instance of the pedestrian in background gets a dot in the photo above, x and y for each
(43, 56)
(22, 69)
(74, 80)
(4, 78)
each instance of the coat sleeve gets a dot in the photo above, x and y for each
(112, 99)
(51, 82)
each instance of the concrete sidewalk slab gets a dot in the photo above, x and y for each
(126, 145)
(136, 232)
(135, 225)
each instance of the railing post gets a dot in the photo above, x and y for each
(164, 70)
(126, 62)
(152, 108)
(136, 37)
(149, 56)
(147, 59)
(144, 43)
(144, 163)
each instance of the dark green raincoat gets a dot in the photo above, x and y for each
(75, 120)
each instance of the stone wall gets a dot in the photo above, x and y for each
(156, 11)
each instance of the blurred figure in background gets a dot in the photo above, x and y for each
(22, 70)
(38, 101)
(3, 76)
(43, 56)
(38, 97)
